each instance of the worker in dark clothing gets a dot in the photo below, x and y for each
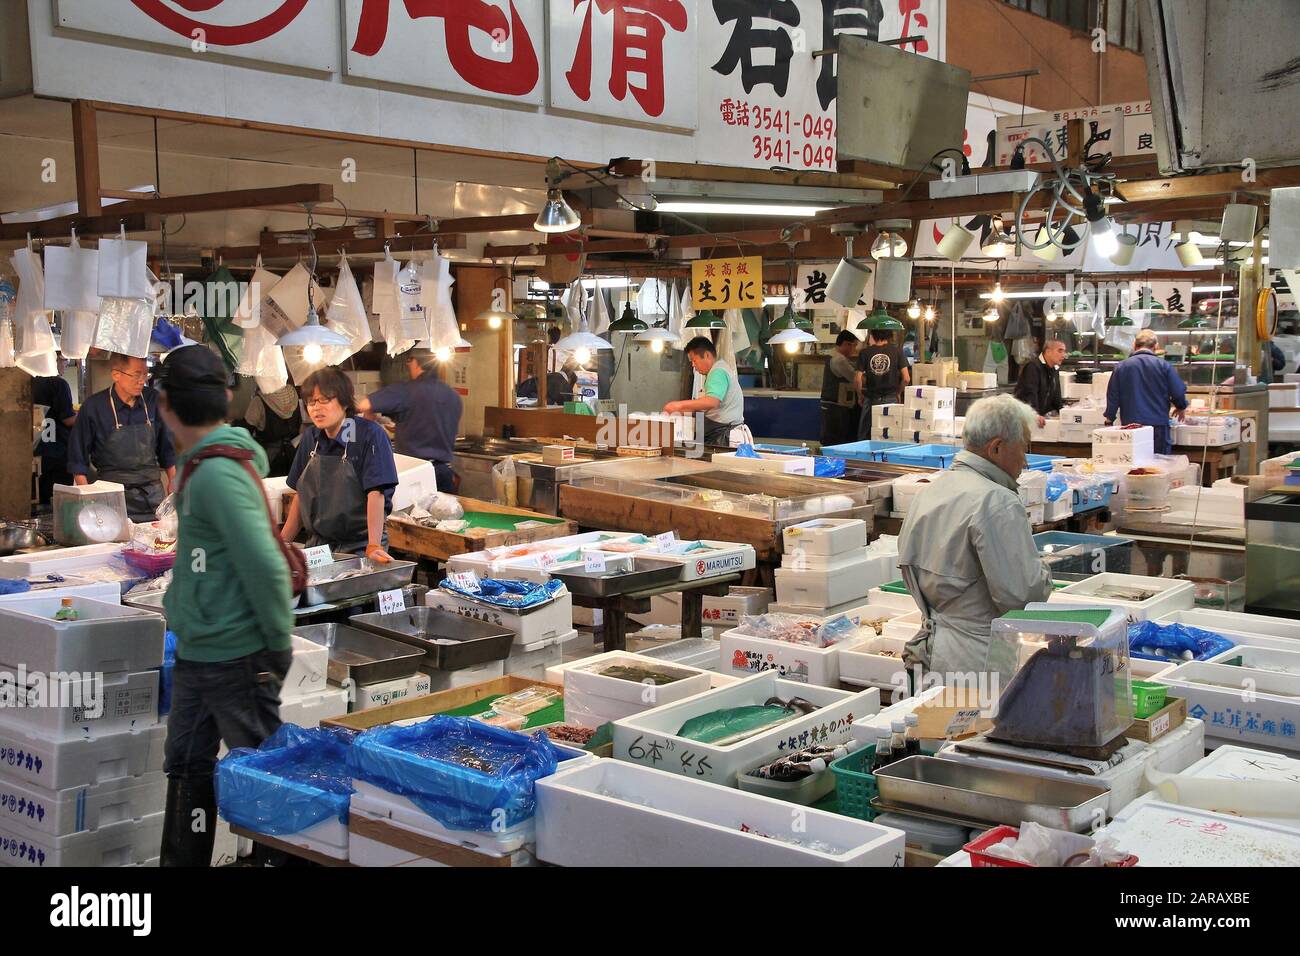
(427, 411)
(883, 373)
(1142, 388)
(840, 392)
(1039, 385)
(54, 393)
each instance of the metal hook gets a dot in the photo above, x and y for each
(121, 229)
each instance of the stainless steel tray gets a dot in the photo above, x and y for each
(964, 790)
(376, 577)
(153, 601)
(647, 572)
(364, 657)
(449, 641)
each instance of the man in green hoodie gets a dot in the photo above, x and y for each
(229, 603)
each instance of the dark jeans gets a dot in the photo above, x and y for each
(54, 471)
(233, 701)
(446, 477)
(864, 422)
(1161, 442)
(839, 424)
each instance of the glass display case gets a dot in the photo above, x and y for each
(1273, 555)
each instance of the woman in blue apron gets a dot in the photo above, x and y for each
(343, 473)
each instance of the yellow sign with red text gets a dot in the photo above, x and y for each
(720, 284)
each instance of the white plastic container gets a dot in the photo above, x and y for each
(1219, 507)
(722, 557)
(862, 664)
(310, 709)
(904, 602)
(550, 621)
(769, 462)
(617, 814)
(804, 792)
(826, 536)
(1240, 704)
(1257, 630)
(61, 812)
(742, 655)
(1146, 491)
(107, 638)
(532, 660)
(115, 844)
(1165, 835)
(388, 692)
(110, 592)
(1261, 658)
(737, 603)
(60, 764)
(1090, 415)
(932, 397)
(1050, 430)
(1214, 432)
(1117, 447)
(1284, 395)
(416, 480)
(823, 588)
(651, 738)
(1171, 595)
(449, 680)
(1059, 509)
(797, 560)
(308, 672)
(592, 699)
(80, 709)
(904, 626)
(57, 560)
(1032, 486)
(701, 652)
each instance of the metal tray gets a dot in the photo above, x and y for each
(377, 577)
(964, 790)
(450, 642)
(364, 657)
(152, 601)
(647, 573)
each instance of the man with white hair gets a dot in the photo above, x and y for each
(1142, 388)
(965, 551)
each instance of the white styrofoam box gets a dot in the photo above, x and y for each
(866, 729)
(59, 764)
(978, 379)
(309, 670)
(907, 487)
(310, 709)
(1075, 434)
(619, 814)
(275, 489)
(57, 560)
(854, 610)
(1290, 377)
(1217, 431)
(1261, 658)
(1284, 395)
(1035, 514)
(107, 639)
(391, 691)
(1164, 834)
(60, 812)
(110, 592)
(798, 560)
(114, 844)
(1139, 668)
(651, 737)
(826, 536)
(894, 433)
(328, 837)
(449, 680)
(522, 562)
(1059, 509)
(1125, 447)
(1093, 415)
(1257, 630)
(1218, 506)
(1050, 430)
(904, 626)
(416, 480)
(533, 660)
(862, 664)
(905, 602)
(823, 588)
(1240, 703)
(928, 415)
(771, 462)
(225, 845)
(738, 602)
(1177, 750)
(592, 699)
(1033, 487)
(365, 852)
(701, 652)
(929, 396)
(1146, 491)
(742, 655)
(1170, 595)
(547, 622)
(83, 708)
(1072, 390)
(719, 558)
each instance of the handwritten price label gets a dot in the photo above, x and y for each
(546, 561)
(666, 540)
(594, 562)
(320, 556)
(464, 580)
(391, 602)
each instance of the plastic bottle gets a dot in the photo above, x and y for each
(913, 748)
(66, 612)
(884, 752)
(898, 742)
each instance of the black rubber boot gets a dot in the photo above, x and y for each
(189, 825)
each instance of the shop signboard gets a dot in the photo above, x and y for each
(721, 284)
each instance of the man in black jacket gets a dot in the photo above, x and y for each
(1039, 385)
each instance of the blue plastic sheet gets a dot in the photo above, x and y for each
(746, 450)
(165, 674)
(828, 467)
(1056, 487)
(14, 586)
(508, 592)
(166, 334)
(464, 773)
(296, 779)
(1173, 640)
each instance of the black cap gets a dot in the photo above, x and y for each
(193, 368)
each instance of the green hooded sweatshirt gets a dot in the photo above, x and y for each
(230, 594)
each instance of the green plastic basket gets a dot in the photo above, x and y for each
(895, 587)
(1147, 698)
(854, 787)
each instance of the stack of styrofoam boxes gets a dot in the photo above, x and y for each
(593, 698)
(738, 603)
(1050, 430)
(892, 423)
(825, 568)
(977, 380)
(306, 698)
(931, 409)
(540, 632)
(80, 781)
(1123, 449)
(1213, 430)
(944, 372)
(1284, 395)
(1078, 422)
(907, 487)
(1033, 495)
(1218, 507)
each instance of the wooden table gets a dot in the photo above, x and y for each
(1220, 460)
(616, 607)
(416, 844)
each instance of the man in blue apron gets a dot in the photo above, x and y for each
(119, 437)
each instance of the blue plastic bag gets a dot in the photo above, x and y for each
(508, 592)
(165, 674)
(1057, 486)
(1167, 642)
(828, 467)
(746, 450)
(14, 586)
(296, 779)
(464, 773)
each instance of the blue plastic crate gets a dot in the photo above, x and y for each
(864, 450)
(1099, 497)
(1041, 463)
(925, 456)
(1117, 553)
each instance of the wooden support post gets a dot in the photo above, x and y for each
(16, 433)
(85, 151)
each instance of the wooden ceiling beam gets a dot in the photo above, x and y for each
(698, 172)
(330, 247)
(295, 196)
(85, 152)
(86, 226)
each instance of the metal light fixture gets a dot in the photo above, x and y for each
(791, 339)
(955, 242)
(1100, 226)
(658, 337)
(1119, 320)
(992, 315)
(1148, 304)
(999, 242)
(708, 319)
(888, 245)
(880, 321)
(628, 322)
(914, 309)
(1191, 322)
(557, 215)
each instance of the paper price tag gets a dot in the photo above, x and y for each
(319, 556)
(390, 602)
(465, 580)
(666, 540)
(594, 562)
(1159, 726)
(546, 561)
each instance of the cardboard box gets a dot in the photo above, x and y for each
(438, 703)
(1167, 718)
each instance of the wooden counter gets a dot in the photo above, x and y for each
(433, 545)
(1221, 461)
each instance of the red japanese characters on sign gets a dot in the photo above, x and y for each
(639, 32)
(216, 33)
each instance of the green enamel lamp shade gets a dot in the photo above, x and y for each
(790, 321)
(1191, 322)
(708, 319)
(1118, 319)
(628, 321)
(880, 321)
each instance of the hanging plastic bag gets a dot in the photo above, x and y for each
(444, 331)
(31, 285)
(347, 313)
(410, 302)
(285, 306)
(1022, 350)
(262, 358)
(78, 334)
(504, 485)
(385, 304)
(249, 313)
(125, 326)
(71, 278)
(123, 269)
(7, 354)
(35, 347)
